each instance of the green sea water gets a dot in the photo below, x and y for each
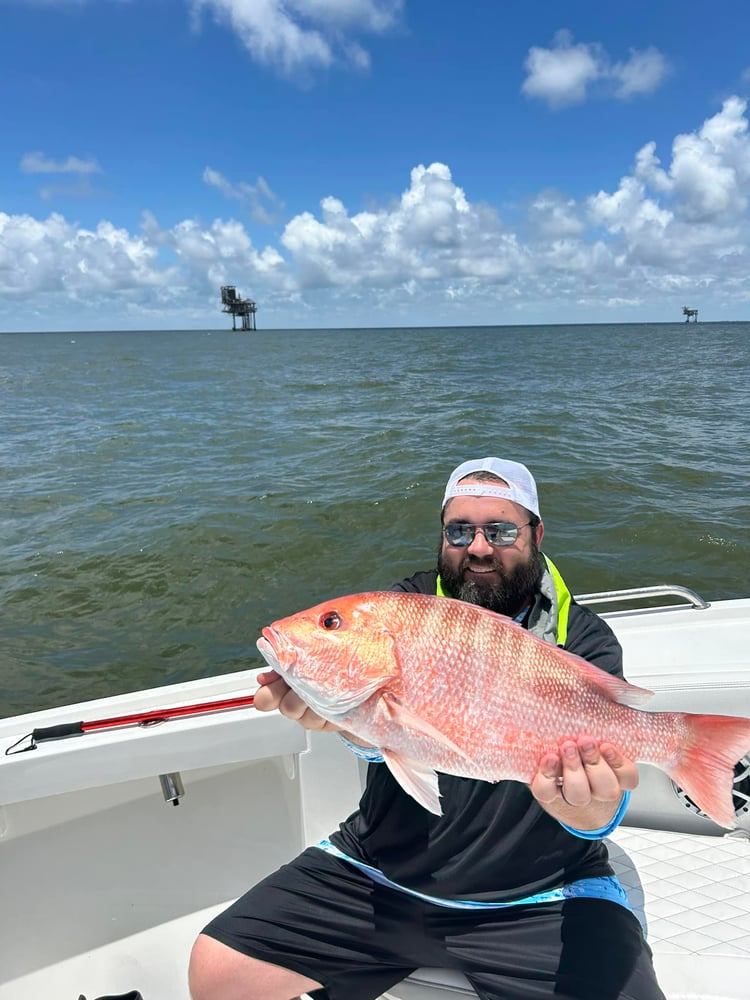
(163, 495)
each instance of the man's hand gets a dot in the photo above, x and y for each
(275, 693)
(582, 784)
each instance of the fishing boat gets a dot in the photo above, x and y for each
(119, 842)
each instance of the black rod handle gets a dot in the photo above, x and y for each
(61, 732)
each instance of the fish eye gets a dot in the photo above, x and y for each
(330, 620)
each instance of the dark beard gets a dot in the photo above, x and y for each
(506, 597)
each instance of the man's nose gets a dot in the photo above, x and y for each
(479, 544)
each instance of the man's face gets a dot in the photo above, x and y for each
(499, 578)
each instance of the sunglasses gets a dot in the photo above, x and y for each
(497, 533)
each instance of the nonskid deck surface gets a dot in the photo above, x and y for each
(692, 893)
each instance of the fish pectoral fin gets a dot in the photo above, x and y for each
(404, 717)
(417, 780)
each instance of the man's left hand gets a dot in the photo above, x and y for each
(582, 784)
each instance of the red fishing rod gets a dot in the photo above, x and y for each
(144, 719)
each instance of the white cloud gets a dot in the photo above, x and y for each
(687, 224)
(562, 74)
(671, 224)
(565, 73)
(551, 214)
(263, 205)
(641, 74)
(38, 163)
(38, 256)
(296, 36)
(80, 189)
(711, 168)
(370, 15)
(81, 170)
(431, 233)
(648, 169)
(213, 255)
(628, 210)
(709, 177)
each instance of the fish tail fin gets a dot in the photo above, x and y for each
(705, 771)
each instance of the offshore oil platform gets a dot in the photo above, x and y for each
(244, 308)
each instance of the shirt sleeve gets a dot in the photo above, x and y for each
(591, 638)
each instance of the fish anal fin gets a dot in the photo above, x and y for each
(416, 779)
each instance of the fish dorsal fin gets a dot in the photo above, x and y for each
(417, 780)
(402, 716)
(615, 688)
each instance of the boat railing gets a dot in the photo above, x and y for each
(642, 593)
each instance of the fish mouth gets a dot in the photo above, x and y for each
(281, 656)
(274, 651)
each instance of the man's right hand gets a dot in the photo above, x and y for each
(275, 693)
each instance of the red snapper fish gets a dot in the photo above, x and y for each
(441, 685)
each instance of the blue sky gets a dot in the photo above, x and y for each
(372, 162)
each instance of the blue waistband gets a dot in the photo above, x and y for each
(605, 887)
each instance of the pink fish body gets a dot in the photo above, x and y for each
(444, 686)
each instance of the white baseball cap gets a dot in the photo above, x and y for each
(521, 487)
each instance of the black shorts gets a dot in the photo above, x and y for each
(325, 919)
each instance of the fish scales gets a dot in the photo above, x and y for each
(517, 700)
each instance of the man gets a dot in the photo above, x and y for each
(511, 885)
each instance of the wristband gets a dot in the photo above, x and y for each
(603, 831)
(371, 754)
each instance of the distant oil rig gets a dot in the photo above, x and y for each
(244, 308)
(687, 313)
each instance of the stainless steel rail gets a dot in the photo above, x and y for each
(639, 593)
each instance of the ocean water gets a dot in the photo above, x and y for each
(163, 495)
